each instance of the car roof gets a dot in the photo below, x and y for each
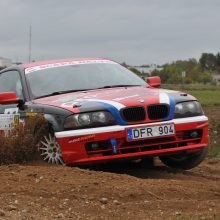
(39, 63)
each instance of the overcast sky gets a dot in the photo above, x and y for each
(134, 31)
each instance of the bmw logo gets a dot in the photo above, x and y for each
(141, 101)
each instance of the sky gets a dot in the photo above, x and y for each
(133, 31)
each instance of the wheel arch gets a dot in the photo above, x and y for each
(54, 122)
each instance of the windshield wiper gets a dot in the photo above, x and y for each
(78, 90)
(61, 92)
(115, 86)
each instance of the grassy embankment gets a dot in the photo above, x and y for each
(209, 97)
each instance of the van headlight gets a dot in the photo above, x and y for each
(90, 119)
(188, 109)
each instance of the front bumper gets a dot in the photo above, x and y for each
(76, 144)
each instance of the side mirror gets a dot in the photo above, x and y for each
(9, 98)
(154, 81)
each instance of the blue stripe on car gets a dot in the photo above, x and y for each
(172, 109)
(115, 112)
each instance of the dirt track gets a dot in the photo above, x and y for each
(48, 192)
(38, 191)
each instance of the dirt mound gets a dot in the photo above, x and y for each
(110, 192)
(20, 145)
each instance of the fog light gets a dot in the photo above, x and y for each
(194, 134)
(95, 146)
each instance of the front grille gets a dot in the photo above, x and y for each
(156, 112)
(133, 114)
(148, 145)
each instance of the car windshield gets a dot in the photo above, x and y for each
(66, 78)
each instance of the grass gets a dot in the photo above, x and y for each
(208, 96)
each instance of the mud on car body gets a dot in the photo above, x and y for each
(99, 111)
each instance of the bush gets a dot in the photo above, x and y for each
(20, 145)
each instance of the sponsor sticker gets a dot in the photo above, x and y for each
(9, 121)
(11, 111)
(82, 139)
(75, 62)
(126, 97)
(31, 114)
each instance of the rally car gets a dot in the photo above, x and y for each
(100, 111)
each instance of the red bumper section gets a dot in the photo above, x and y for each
(95, 145)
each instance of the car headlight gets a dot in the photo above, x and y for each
(188, 109)
(84, 119)
(91, 119)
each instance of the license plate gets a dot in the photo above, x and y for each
(150, 131)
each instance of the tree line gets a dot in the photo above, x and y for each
(194, 71)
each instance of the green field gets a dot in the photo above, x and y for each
(207, 95)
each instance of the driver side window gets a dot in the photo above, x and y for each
(10, 81)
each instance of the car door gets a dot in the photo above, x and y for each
(10, 81)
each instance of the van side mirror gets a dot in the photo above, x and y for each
(154, 81)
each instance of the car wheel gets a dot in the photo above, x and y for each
(185, 161)
(50, 150)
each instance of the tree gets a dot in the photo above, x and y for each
(218, 62)
(208, 61)
(125, 65)
(134, 70)
(195, 73)
(171, 72)
(2, 67)
(206, 77)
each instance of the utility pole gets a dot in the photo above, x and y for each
(30, 36)
(183, 74)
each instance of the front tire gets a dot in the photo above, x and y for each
(50, 150)
(185, 161)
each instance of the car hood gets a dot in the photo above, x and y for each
(113, 98)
